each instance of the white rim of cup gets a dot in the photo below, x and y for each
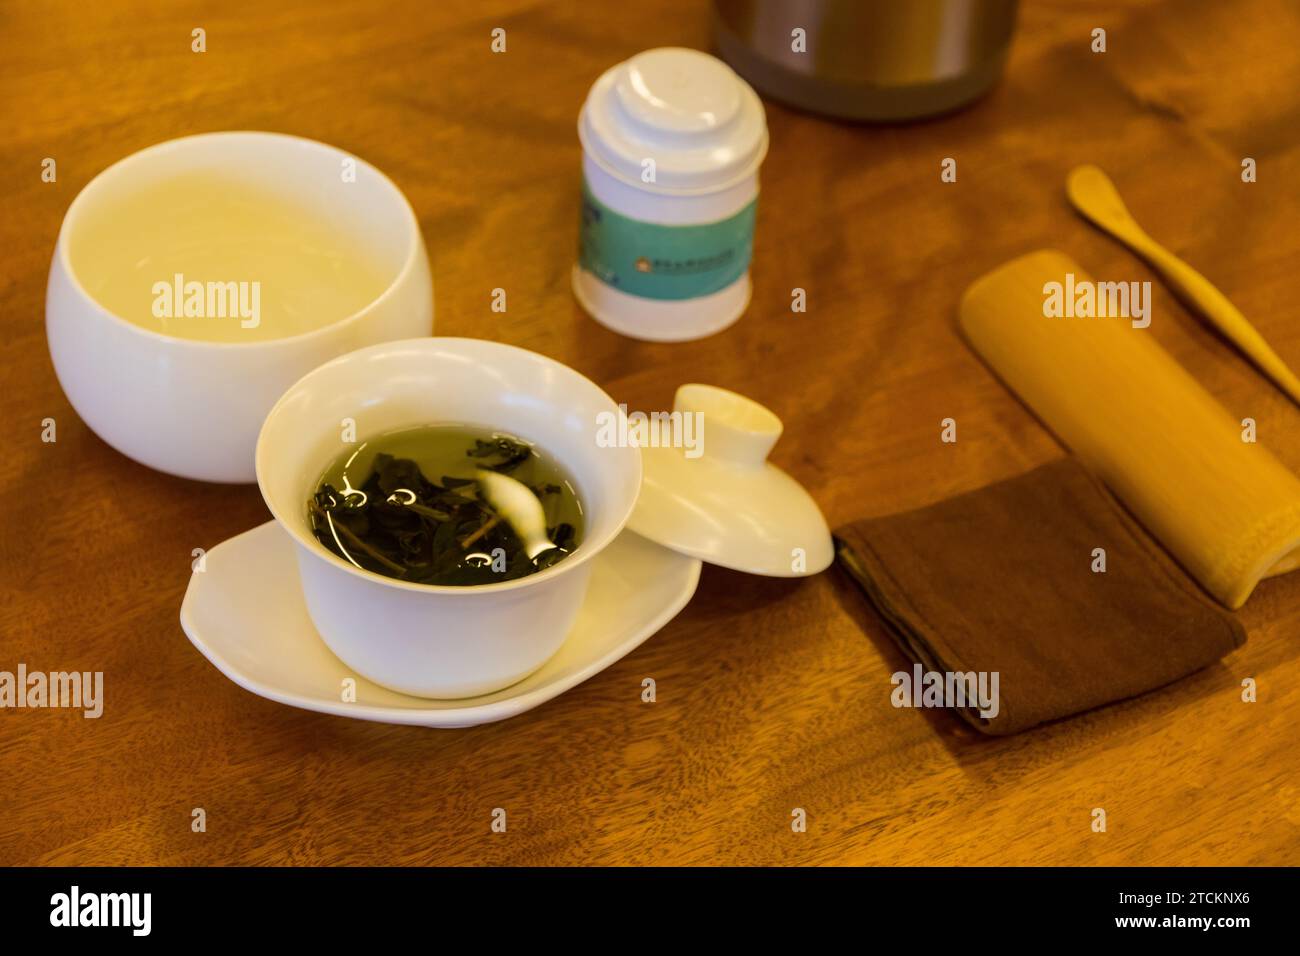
(580, 555)
(414, 241)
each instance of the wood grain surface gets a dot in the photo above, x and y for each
(772, 694)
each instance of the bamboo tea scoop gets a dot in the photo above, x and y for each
(1226, 509)
(1097, 199)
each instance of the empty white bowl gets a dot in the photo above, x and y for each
(442, 641)
(193, 408)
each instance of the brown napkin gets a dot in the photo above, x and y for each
(1001, 580)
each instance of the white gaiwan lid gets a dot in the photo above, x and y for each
(721, 501)
(691, 113)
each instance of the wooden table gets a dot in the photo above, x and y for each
(772, 695)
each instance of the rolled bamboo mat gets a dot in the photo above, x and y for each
(1225, 508)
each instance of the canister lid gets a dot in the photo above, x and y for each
(701, 124)
(717, 498)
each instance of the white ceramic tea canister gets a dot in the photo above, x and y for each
(672, 141)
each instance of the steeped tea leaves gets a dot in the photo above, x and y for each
(377, 507)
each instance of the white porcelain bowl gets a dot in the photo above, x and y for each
(193, 408)
(438, 641)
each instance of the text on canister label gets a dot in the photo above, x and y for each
(658, 261)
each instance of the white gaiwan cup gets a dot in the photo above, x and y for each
(439, 641)
(193, 408)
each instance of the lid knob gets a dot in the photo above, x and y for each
(688, 111)
(736, 429)
(677, 91)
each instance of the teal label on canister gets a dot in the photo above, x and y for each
(658, 261)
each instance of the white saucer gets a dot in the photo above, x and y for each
(245, 612)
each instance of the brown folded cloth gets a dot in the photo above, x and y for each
(1000, 580)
